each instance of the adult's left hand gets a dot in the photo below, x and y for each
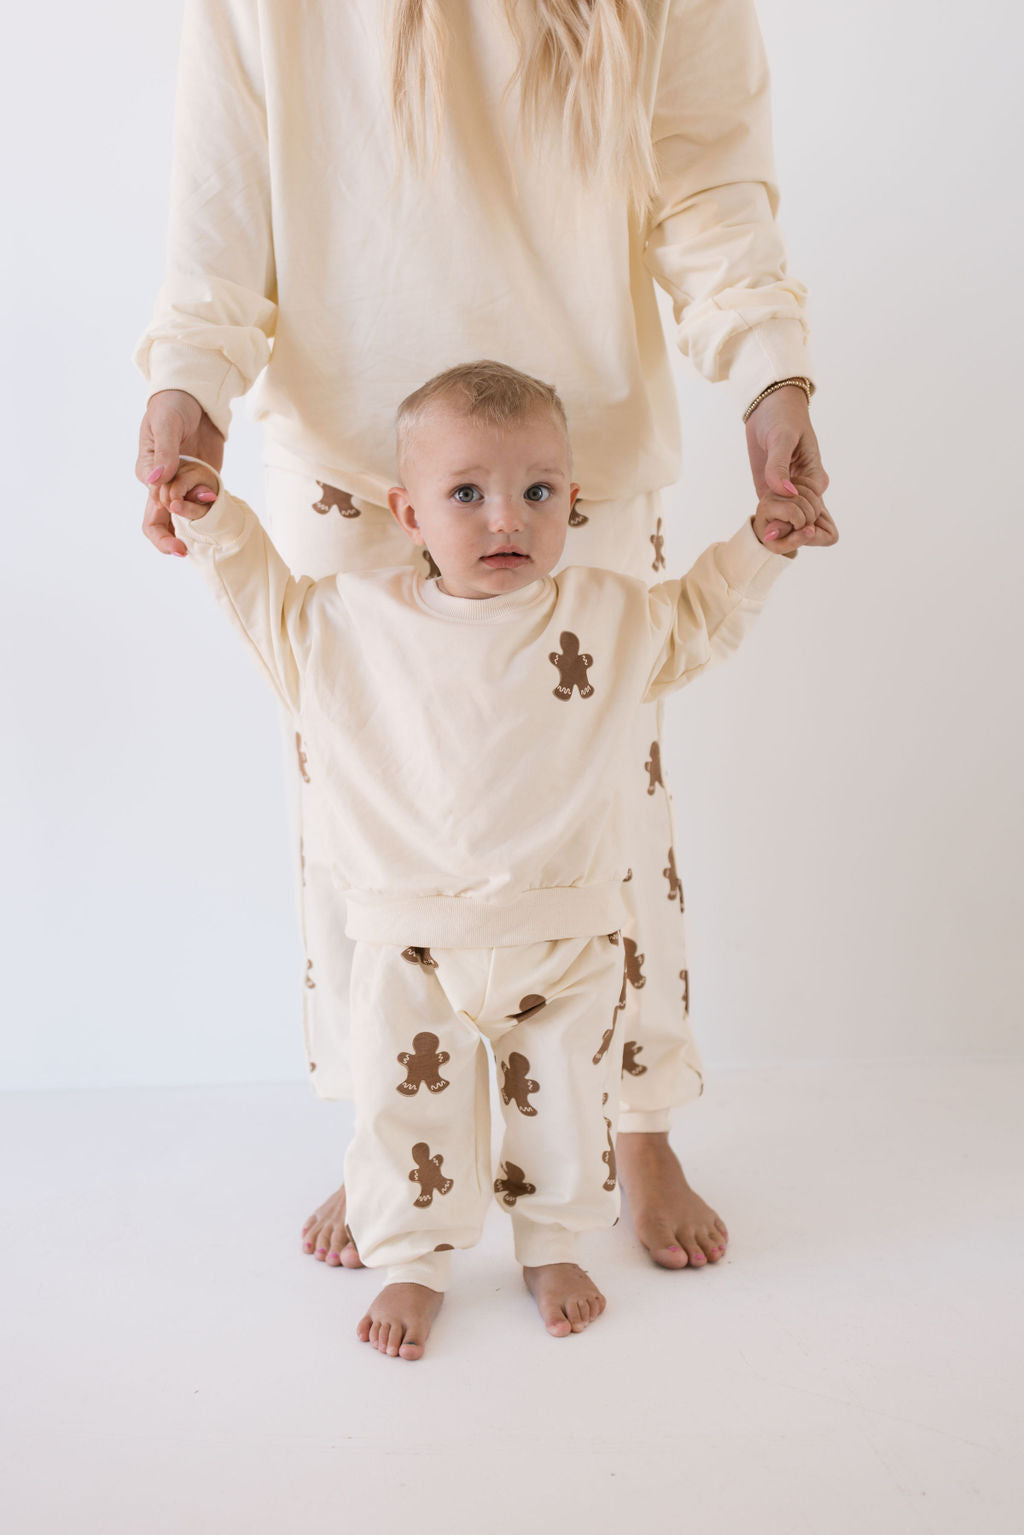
(782, 446)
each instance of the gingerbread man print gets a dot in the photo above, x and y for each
(423, 1066)
(608, 1157)
(658, 540)
(427, 1173)
(420, 957)
(517, 1085)
(514, 1185)
(432, 569)
(675, 887)
(576, 517)
(572, 667)
(630, 1064)
(334, 500)
(606, 1037)
(528, 1006)
(653, 768)
(634, 963)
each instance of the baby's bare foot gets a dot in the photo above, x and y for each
(327, 1237)
(675, 1225)
(567, 1298)
(398, 1322)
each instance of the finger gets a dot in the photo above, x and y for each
(158, 528)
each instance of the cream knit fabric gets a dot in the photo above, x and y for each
(289, 251)
(472, 751)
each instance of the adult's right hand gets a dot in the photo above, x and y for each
(174, 423)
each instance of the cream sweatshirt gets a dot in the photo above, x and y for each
(470, 753)
(292, 260)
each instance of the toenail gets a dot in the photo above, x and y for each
(321, 1249)
(675, 1248)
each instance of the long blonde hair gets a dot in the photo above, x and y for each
(582, 57)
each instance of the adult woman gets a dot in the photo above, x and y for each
(302, 243)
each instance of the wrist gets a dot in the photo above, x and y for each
(797, 382)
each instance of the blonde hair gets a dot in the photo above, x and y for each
(483, 391)
(581, 58)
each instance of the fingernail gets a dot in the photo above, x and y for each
(773, 534)
(155, 475)
(791, 487)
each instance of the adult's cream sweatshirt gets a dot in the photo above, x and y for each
(471, 753)
(295, 259)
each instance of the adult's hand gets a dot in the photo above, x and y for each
(782, 446)
(174, 423)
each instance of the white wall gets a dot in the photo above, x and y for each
(849, 835)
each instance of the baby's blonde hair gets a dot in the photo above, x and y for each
(581, 59)
(482, 391)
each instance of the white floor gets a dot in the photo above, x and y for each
(175, 1363)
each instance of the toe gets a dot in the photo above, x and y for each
(694, 1256)
(363, 1329)
(410, 1350)
(557, 1323)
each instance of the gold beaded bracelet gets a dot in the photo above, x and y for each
(805, 385)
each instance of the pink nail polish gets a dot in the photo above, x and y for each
(791, 487)
(155, 475)
(675, 1248)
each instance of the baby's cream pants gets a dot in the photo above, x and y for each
(418, 1173)
(320, 530)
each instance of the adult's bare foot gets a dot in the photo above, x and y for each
(676, 1226)
(326, 1236)
(567, 1298)
(399, 1319)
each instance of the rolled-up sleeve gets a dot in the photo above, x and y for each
(713, 239)
(213, 323)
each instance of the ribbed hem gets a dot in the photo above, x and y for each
(748, 565)
(484, 610)
(206, 375)
(461, 922)
(644, 1121)
(767, 352)
(433, 1270)
(535, 1244)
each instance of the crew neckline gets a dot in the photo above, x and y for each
(481, 610)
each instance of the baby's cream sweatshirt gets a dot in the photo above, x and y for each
(469, 754)
(293, 259)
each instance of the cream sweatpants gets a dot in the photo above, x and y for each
(418, 1173)
(319, 530)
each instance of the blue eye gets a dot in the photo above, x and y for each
(457, 493)
(545, 488)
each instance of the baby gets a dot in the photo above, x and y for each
(468, 726)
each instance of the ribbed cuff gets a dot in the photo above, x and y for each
(644, 1121)
(770, 351)
(433, 1270)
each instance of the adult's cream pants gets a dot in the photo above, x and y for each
(320, 529)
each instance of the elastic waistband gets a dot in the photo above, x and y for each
(462, 922)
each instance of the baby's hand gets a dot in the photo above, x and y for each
(190, 485)
(785, 524)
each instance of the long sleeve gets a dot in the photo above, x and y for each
(215, 314)
(251, 582)
(713, 242)
(701, 618)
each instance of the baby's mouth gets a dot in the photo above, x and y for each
(507, 557)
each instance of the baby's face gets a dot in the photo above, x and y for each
(473, 491)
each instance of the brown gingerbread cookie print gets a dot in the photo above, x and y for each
(420, 957)
(311, 984)
(513, 1185)
(630, 1064)
(606, 1037)
(572, 666)
(312, 1065)
(634, 964)
(517, 1085)
(658, 540)
(432, 569)
(576, 517)
(684, 976)
(653, 768)
(627, 876)
(444, 1247)
(675, 886)
(334, 500)
(302, 757)
(608, 1157)
(427, 1173)
(614, 937)
(528, 1006)
(423, 1066)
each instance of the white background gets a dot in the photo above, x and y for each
(846, 792)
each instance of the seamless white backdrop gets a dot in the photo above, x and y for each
(846, 792)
